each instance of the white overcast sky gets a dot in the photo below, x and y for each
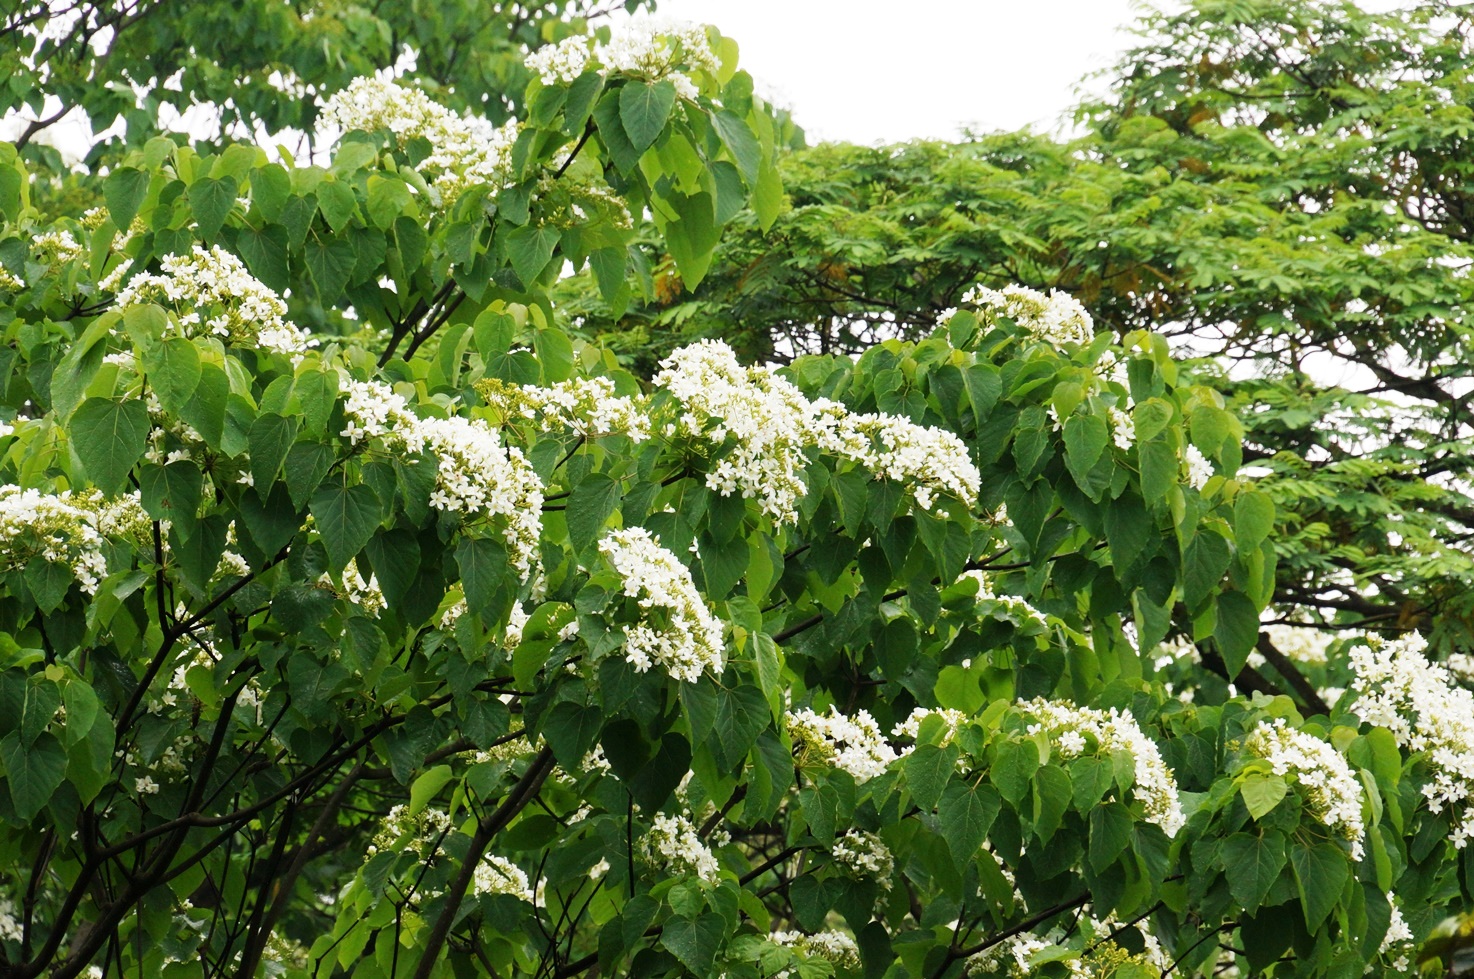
(866, 71)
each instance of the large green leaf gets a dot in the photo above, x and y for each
(964, 815)
(210, 199)
(1321, 872)
(124, 190)
(1252, 863)
(694, 942)
(331, 264)
(109, 436)
(643, 109)
(32, 773)
(345, 516)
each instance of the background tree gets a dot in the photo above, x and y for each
(1274, 184)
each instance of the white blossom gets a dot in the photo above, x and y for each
(677, 630)
(673, 845)
(911, 726)
(498, 875)
(1398, 688)
(560, 63)
(1199, 469)
(1332, 790)
(464, 150)
(1071, 729)
(54, 528)
(656, 51)
(212, 294)
(852, 744)
(1055, 318)
(586, 406)
(865, 855)
(1300, 644)
(833, 946)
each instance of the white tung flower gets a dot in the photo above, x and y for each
(560, 63)
(586, 406)
(1199, 469)
(865, 855)
(498, 875)
(1399, 688)
(673, 845)
(1333, 791)
(656, 50)
(212, 294)
(464, 151)
(853, 744)
(1054, 318)
(55, 528)
(1070, 728)
(677, 630)
(834, 946)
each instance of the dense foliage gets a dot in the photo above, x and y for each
(361, 616)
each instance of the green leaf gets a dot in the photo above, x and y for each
(692, 235)
(965, 814)
(427, 786)
(1251, 864)
(1253, 519)
(210, 200)
(1110, 831)
(1236, 631)
(694, 942)
(589, 506)
(485, 571)
(1052, 796)
(345, 517)
(928, 771)
(170, 492)
(1261, 793)
(265, 253)
(109, 436)
(124, 190)
(1321, 872)
(32, 773)
(331, 265)
(530, 249)
(1014, 765)
(742, 713)
(173, 369)
(270, 439)
(643, 109)
(570, 730)
(1085, 439)
(738, 137)
(271, 185)
(611, 131)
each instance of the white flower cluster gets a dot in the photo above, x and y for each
(55, 247)
(655, 51)
(1055, 318)
(475, 474)
(212, 294)
(365, 594)
(911, 726)
(498, 875)
(560, 63)
(10, 928)
(1300, 644)
(53, 528)
(1398, 688)
(463, 150)
(1123, 429)
(1012, 603)
(1333, 791)
(674, 845)
(9, 281)
(833, 946)
(1398, 941)
(586, 406)
(1013, 957)
(1199, 469)
(1071, 729)
(401, 830)
(772, 426)
(682, 635)
(865, 855)
(852, 744)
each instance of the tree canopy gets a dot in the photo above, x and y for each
(409, 565)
